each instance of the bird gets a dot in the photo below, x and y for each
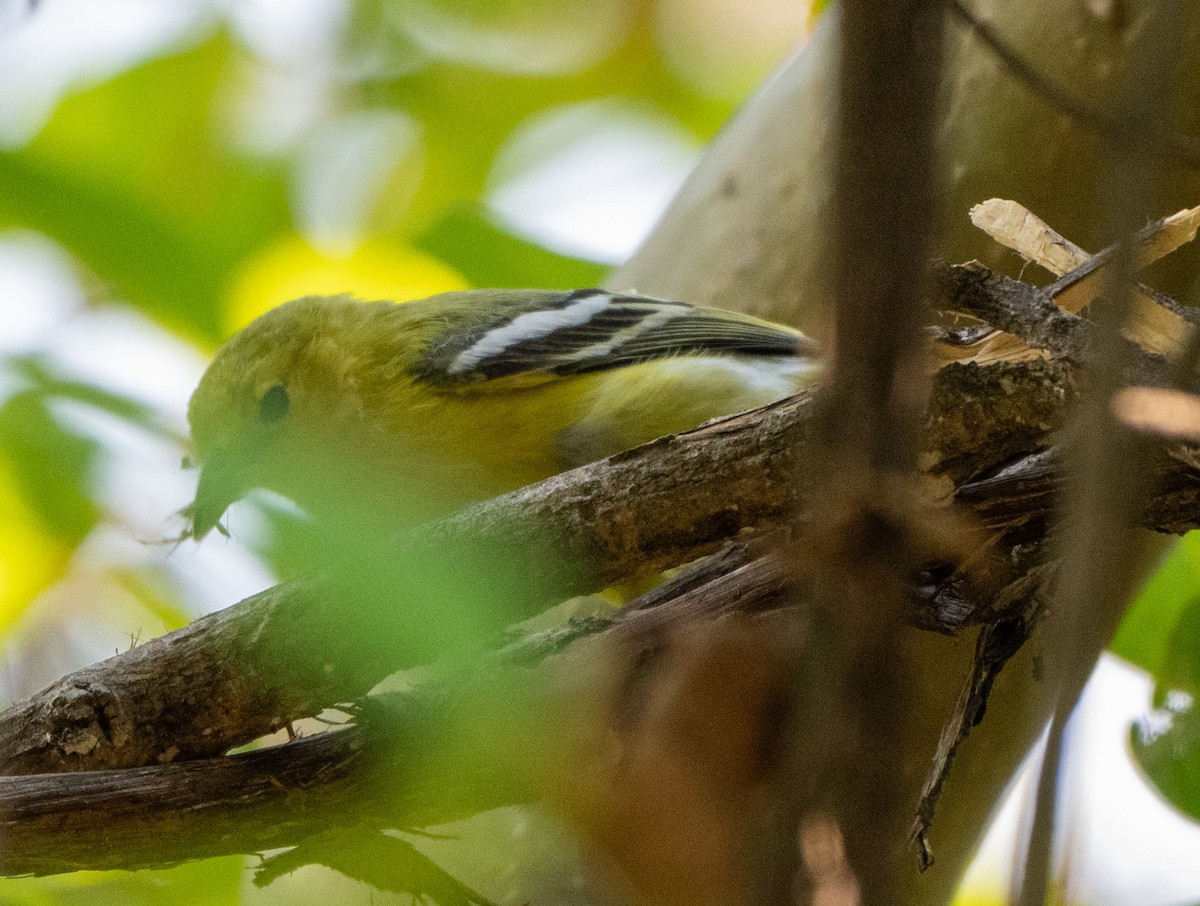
(428, 405)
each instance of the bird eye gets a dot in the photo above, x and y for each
(274, 404)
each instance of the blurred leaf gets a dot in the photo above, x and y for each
(1180, 667)
(431, 593)
(724, 51)
(31, 558)
(34, 370)
(131, 177)
(386, 863)
(209, 882)
(291, 268)
(1146, 632)
(528, 853)
(489, 256)
(526, 37)
(134, 178)
(1162, 634)
(1171, 759)
(49, 464)
(46, 501)
(121, 239)
(467, 111)
(155, 591)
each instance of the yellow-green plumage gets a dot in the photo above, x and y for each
(441, 401)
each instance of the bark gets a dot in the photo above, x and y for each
(246, 671)
(493, 734)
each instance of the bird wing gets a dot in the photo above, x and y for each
(538, 336)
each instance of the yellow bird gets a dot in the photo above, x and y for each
(431, 404)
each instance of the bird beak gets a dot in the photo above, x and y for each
(220, 485)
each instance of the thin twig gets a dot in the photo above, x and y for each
(1104, 491)
(998, 641)
(867, 530)
(1035, 871)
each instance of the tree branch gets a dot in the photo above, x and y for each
(396, 769)
(248, 670)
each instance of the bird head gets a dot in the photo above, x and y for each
(257, 405)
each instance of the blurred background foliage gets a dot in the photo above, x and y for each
(170, 170)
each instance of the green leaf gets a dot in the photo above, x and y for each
(207, 882)
(1162, 634)
(133, 178)
(384, 862)
(487, 255)
(1180, 667)
(49, 463)
(1146, 632)
(1171, 759)
(43, 378)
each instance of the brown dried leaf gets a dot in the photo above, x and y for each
(1153, 326)
(1172, 414)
